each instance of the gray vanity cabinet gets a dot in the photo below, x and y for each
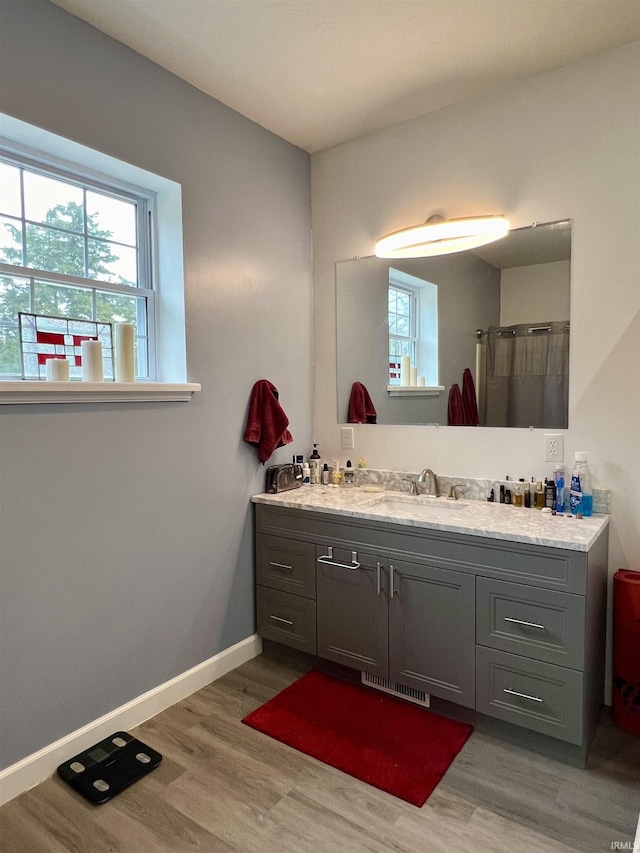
(431, 630)
(352, 610)
(514, 631)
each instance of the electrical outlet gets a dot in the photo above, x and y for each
(553, 447)
(346, 434)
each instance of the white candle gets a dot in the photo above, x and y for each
(124, 352)
(57, 370)
(414, 375)
(92, 361)
(421, 380)
(405, 370)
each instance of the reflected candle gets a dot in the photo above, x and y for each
(57, 370)
(92, 361)
(405, 370)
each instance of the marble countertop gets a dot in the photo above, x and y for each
(471, 517)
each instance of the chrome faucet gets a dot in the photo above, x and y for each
(427, 474)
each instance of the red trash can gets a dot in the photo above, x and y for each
(625, 709)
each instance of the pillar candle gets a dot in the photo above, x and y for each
(57, 370)
(124, 352)
(414, 375)
(92, 361)
(405, 370)
(421, 380)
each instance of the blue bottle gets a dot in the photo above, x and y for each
(581, 496)
(558, 479)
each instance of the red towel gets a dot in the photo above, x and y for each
(469, 402)
(266, 422)
(361, 410)
(456, 409)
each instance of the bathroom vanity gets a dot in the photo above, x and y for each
(496, 612)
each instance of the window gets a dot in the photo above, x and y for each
(413, 327)
(73, 246)
(403, 310)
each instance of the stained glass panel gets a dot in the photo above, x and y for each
(43, 337)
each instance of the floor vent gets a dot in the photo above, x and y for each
(418, 697)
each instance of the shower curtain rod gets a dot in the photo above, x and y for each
(480, 332)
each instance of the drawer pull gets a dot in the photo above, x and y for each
(378, 577)
(521, 695)
(280, 619)
(522, 622)
(281, 566)
(328, 560)
(391, 588)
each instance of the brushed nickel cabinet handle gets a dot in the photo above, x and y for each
(391, 589)
(521, 695)
(327, 559)
(522, 622)
(378, 577)
(280, 619)
(281, 566)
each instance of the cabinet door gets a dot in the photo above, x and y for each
(432, 630)
(352, 612)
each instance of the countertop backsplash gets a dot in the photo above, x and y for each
(474, 489)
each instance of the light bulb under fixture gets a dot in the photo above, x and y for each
(440, 236)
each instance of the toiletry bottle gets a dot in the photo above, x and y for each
(306, 474)
(492, 497)
(501, 493)
(527, 496)
(336, 473)
(581, 496)
(325, 475)
(507, 496)
(538, 497)
(558, 479)
(549, 494)
(314, 465)
(348, 475)
(518, 497)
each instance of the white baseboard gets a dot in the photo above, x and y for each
(37, 767)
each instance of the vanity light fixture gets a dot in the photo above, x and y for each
(440, 236)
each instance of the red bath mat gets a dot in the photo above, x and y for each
(390, 744)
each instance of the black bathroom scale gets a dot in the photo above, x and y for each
(108, 767)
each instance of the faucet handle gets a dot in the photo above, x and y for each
(414, 485)
(455, 488)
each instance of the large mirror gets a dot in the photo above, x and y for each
(484, 330)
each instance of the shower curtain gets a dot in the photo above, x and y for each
(527, 375)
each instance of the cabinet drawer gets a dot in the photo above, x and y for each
(286, 564)
(287, 619)
(538, 696)
(538, 623)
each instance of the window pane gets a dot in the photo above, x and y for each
(62, 301)
(392, 300)
(111, 218)
(112, 263)
(14, 297)
(9, 351)
(116, 308)
(142, 358)
(55, 251)
(10, 190)
(53, 202)
(10, 241)
(402, 326)
(403, 302)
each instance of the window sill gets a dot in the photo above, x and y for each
(21, 392)
(414, 390)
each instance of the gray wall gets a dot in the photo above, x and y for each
(125, 530)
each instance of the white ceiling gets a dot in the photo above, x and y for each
(320, 72)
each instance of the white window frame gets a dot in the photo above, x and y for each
(412, 338)
(167, 256)
(145, 206)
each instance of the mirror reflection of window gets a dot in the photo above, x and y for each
(413, 326)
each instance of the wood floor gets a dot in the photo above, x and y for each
(225, 787)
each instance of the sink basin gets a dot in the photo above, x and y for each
(410, 505)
